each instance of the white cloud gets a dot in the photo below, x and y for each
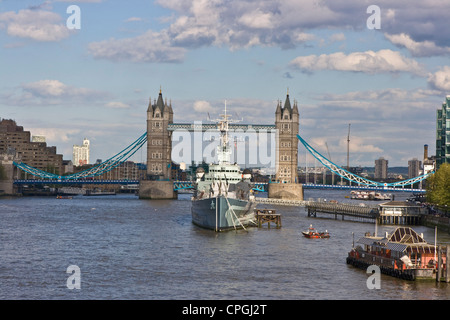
(53, 135)
(203, 106)
(257, 19)
(358, 144)
(440, 80)
(149, 47)
(133, 19)
(418, 49)
(46, 88)
(51, 92)
(383, 61)
(238, 24)
(38, 25)
(117, 105)
(55, 88)
(337, 37)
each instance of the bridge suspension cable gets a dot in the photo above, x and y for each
(355, 178)
(97, 170)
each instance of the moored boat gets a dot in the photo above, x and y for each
(403, 253)
(223, 198)
(369, 195)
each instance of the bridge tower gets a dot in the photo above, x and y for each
(159, 139)
(158, 184)
(287, 125)
(287, 119)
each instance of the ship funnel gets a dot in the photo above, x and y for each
(200, 173)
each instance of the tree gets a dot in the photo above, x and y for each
(438, 186)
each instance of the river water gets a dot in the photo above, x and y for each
(126, 248)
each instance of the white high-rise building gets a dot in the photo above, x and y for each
(81, 153)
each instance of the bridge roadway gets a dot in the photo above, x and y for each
(191, 127)
(179, 185)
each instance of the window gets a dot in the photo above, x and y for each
(156, 142)
(156, 155)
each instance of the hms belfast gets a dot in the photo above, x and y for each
(223, 198)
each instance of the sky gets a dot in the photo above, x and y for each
(69, 74)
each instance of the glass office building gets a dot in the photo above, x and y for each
(443, 133)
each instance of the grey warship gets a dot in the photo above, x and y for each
(223, 198)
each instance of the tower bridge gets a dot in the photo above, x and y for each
(158, 137)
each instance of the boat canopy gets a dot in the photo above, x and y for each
(402, 239)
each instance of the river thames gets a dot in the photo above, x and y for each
(126, 248)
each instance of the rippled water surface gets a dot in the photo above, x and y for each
(138, 249)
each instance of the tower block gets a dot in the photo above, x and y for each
(287, 120)
(158, 184)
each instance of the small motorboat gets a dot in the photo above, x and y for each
(63, 197)
(314, 234)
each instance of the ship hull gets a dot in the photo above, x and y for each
(215, 213)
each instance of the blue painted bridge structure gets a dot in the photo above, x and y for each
(87, 176)
(186, 185)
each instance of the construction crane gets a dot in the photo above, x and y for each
(328, 151)
(348, 147)
(329, 157)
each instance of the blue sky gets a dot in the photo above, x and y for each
(95, 82)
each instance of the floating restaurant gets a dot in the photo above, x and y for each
(400, 212)
(404, 254)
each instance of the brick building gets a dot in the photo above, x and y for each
(34, 154)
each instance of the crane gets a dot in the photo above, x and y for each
(329, 157)
(348, 147)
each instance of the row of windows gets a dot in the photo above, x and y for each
(156, 142)
(285, 170)
(156, 167)
(228, 179)
(212, 170)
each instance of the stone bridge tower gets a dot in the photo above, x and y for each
(287, 125)
(159, 139)
(287, 119)
(158, 184)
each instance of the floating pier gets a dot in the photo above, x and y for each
(268, 216)
(343, 209)
(282, 202)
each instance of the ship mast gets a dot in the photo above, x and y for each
(223, 150)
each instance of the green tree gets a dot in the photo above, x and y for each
(438, 186)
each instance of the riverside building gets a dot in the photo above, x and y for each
(381, 168)
(443, 133)
(35, 154)
(81, 154)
